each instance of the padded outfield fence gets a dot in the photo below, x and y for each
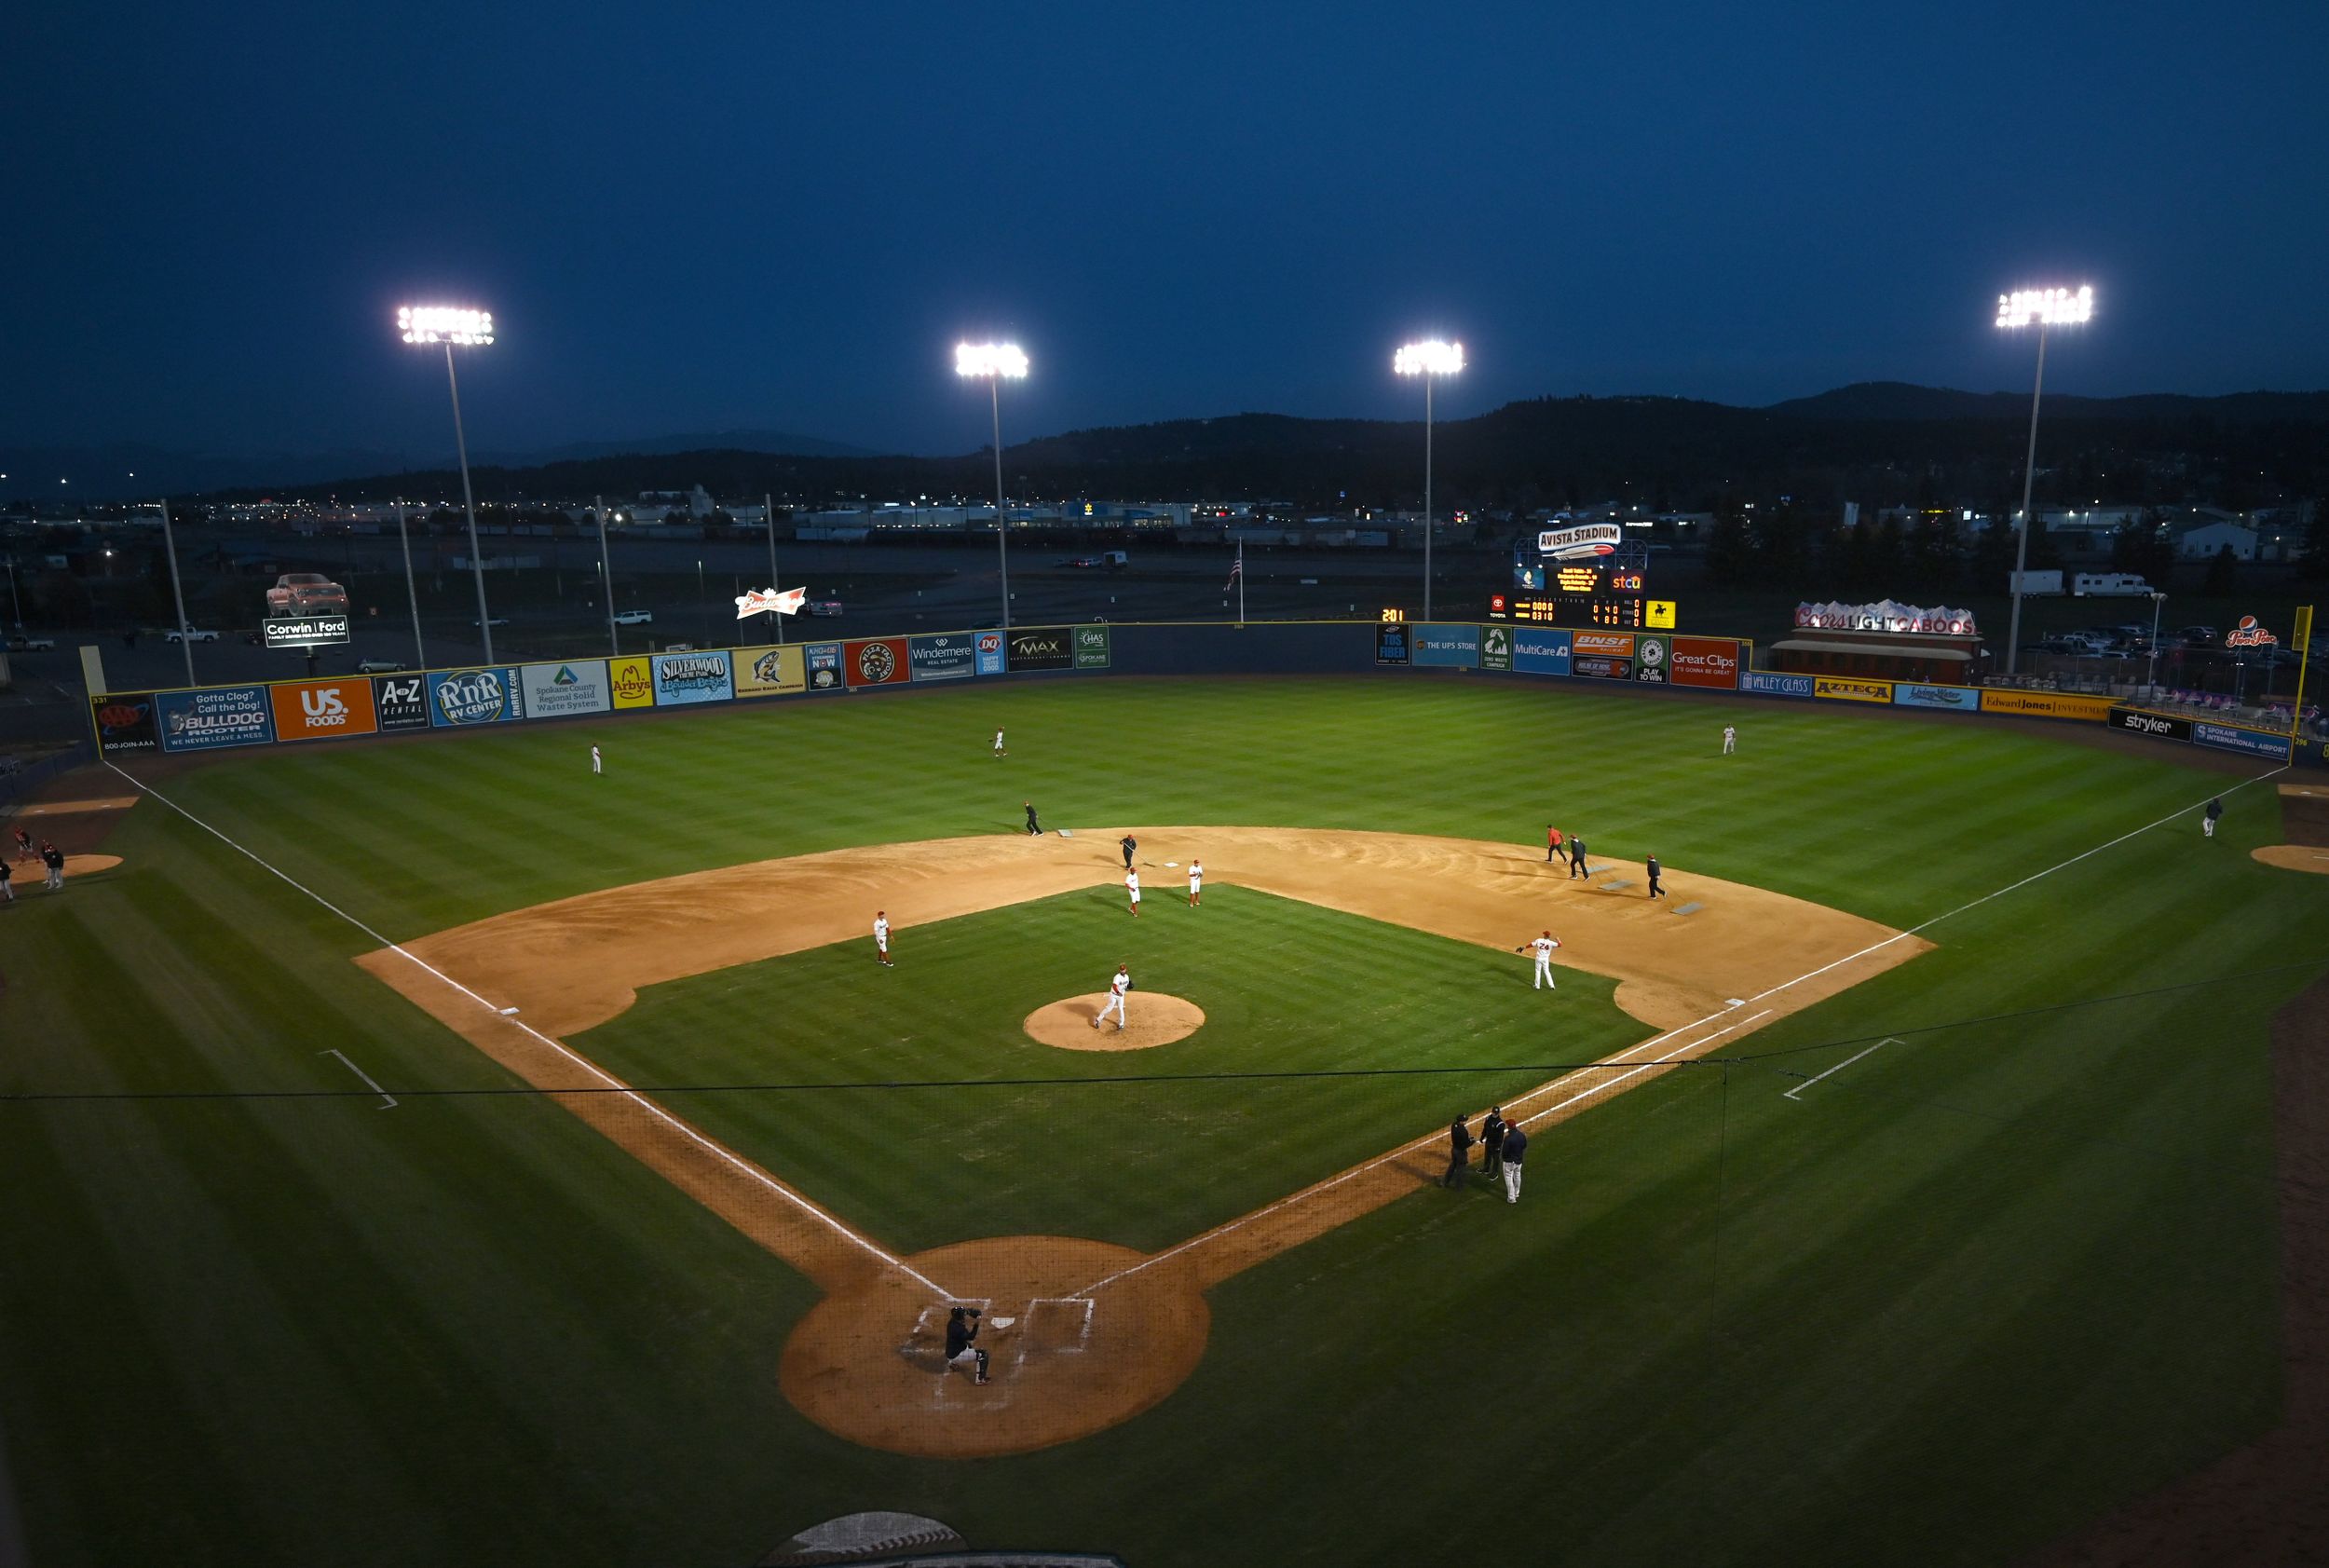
(171, 722)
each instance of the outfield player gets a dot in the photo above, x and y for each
(598, 764)
(1730, 740)
(1196, 882)
(999, 752)
(882, 937)
(1543, 947)
(1115, 1004)
(1132, 886)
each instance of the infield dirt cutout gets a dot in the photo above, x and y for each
(1099, 1332)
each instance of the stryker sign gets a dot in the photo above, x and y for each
(2160, 726)
(1581, 540)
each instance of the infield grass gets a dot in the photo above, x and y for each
(1954, 1300)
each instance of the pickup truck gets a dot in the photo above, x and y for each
(634, 617)
(189, 634)
(23, 643)
(305, 592)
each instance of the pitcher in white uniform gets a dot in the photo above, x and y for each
(1132, 886)
(1115, 1004)
(1196, 882)
(1543, 947)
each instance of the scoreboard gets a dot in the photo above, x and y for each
(1587, 594)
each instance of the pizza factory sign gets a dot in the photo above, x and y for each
(1885, 615)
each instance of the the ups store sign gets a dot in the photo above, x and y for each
(1045, 648)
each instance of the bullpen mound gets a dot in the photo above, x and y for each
(1156, 1019)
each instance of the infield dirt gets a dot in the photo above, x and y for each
(851, 1364)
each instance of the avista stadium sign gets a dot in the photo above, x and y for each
(1581, 540)
(1885, 615)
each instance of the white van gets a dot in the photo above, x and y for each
(2109, 585)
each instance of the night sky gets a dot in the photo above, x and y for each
(690, 217)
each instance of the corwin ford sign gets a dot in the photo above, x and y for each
(461, 697)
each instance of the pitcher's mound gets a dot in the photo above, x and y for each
(2291, 857)
(1156, 1019)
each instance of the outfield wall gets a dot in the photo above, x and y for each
(331, 708)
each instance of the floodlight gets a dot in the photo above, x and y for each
(2047, 307)
(1433, 357)
(445, 323)
(990, 358)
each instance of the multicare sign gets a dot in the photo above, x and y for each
(878, 661)
(214, 717)
(461, 697)
(578, 686)
(1709, 663)
(323, 710)
(1541, 651)
(692, 677)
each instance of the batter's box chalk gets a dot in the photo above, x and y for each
(1058, 1323)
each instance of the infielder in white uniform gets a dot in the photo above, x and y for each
(1132, 886)
(1115, 1004)
(1730, 740)
(999, 751)
(1196, 882)
(882, 937)
(1543, 947)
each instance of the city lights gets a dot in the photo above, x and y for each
(1006, 360)
(2047, 307)
(445, 323)
(1432, 358)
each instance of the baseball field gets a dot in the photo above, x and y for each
(431, 1152)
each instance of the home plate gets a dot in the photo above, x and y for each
(1003, 1322)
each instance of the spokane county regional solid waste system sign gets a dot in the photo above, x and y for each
(305, 630)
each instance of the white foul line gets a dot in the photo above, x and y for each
(1887, 1040)
(366, 1077)
(1292, 1198)
(742, 1165)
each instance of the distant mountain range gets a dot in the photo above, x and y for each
(1878, 443)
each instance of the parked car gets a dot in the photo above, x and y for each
(305, 592)
(824, 606)
(634, 617)
(2198, 636)
(25, 643)
(379, 666)
(189, 634)
(1078, 561)
(497, 621)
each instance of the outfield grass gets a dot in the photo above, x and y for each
(1953, 1300)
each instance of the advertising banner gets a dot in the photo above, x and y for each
(1391, 642)
(1600, 666)
(693, 677)
(769, 672)
(1651, 656)
(125, 723)
(1712, 663)
(1763, 682)
(1447, 644)
(1844, 691)
(2162, 726)
(304, 631)
(461, 697)
(320, 710)
(823, 661)
(550, 690)
(2256, 742)
(220, 716)
(399, 702)
(1495, 647)
(1539, 651)
(1041, 647)
(882, 662)
(944, 656)
(632, 679)
(1964, 698)
(2045, 704)
(1092, 647)
(990, 653)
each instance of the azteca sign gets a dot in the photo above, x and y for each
(2249, 634)
(1885, 615)
(1582, 540)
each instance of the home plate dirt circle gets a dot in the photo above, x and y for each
(1157, 1020)
(868, 1363)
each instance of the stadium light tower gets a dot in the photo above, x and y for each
(1427, 359)
(2041, 309)
(450, 325)
(995, 362)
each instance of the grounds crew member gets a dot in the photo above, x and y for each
(2207, 820)
(1652, 866)
(1127, 843)
(961, 1329)
(1576, 860)
(1552, 843)
(1032, 826)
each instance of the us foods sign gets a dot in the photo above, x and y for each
(1580, 541)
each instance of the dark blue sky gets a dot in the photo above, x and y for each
(696, 216)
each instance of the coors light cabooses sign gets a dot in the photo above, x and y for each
(1885, 615)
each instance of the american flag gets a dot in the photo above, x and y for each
(1237, 569)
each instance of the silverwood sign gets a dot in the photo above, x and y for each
(304, 631)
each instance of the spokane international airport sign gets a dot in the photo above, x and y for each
(304, 631)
